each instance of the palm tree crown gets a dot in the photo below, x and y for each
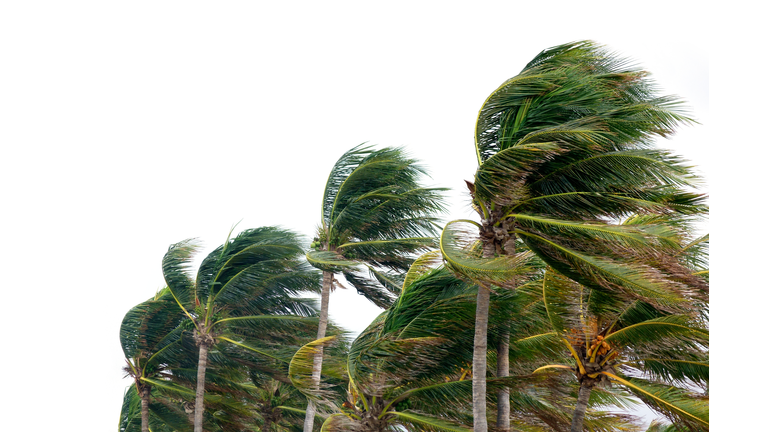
(375, 216)
(243, 295)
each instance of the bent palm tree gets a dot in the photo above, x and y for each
(149, 336)
(564, 152)
(375, 215)
(242, 294)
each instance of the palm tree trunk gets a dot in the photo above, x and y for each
(502, 371)
(502, 350)
(317, 365)
(145, 408)
(577, 424)
(479, 360)
(200, 392)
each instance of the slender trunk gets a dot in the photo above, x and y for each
(267, 425)
(479, 360)
(200, 393)
(581, 408)
(145, 408)
(502, 353)
(502, 371)
(317, 365)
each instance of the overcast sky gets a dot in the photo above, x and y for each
(130, 126)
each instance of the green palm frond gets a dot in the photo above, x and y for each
(677, 327)
(543, 344)
(438, 395)
(457, 254)
(177, 264)
(420, 266)
(300, 369)
(395, 359)
(169, 387)
(622, 236)
(505, 172)
(391, 253)
(130, 415)
(580, 205)
(674, 371)
(146, 327)
(436, 304)
(392, 281)
(695, 255)
(627, 279)
(658, 426)
(337, 423)
(346, 164)
(165, 414)
(630, 170)
(330, 261)
(370, 288)
(426, 423)
(679, 406)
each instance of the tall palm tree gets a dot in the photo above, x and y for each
(244, 293)
(375, 215)
(564, 152)
(150, 336)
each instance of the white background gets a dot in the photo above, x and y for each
(129, 126)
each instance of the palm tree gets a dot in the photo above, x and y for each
(375, 215)
(149, 336)
(243, 294)
(564, 152)
(654, 354)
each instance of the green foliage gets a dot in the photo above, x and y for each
(375, 216)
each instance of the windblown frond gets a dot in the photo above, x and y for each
(679, 406)
(460, 256)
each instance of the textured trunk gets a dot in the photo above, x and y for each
(479, 360)
(502, 370)
(200, 393)
(581, 408)
(317, 365)
(145, 409)
(267, 425)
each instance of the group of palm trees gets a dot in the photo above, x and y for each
(581, 289)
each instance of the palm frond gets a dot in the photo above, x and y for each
(330, 261)
(456, 247)
(678, 405)
(420, 266)
(426, 423)
(176, 271)
(300, 370)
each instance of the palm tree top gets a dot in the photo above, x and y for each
(376, 218)
(584, 86)
(253, 273)
(376, 195)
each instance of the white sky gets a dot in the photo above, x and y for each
(129, 126)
